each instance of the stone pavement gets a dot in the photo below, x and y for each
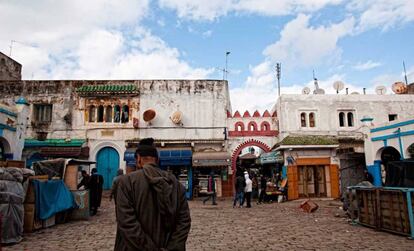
(263, 227)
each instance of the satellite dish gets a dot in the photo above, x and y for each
(338, 86)
(399, 88)
(319, 91)
(149, 115)
(177, 117)
(380, 90)
(306, 90)
(354, 93)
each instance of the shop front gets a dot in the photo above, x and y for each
(178, 162)
(270, 163)
(206, 163)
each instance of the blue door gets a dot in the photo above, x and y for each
(107, 162)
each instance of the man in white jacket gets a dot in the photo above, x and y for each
(248, 189)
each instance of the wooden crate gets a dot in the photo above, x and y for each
(71, 177)
(13, 163)
(393, 211)
(31, 223)
(367, 207)
(387, 209)
(30, 194)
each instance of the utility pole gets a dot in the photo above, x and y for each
(225, 69)
(278, 71)
(405, 73)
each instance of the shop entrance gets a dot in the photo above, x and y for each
(107, 163)
(312, 181)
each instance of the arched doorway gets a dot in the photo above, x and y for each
(228, 186)
(387, 155)
(107, 163)
(4, 149)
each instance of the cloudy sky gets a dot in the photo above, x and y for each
(360, 42)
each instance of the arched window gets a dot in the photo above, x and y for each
(92, 114)
(312, 119)
(239, 127)
(108, 115)
(252, 127)
(100, 113)
(265, 126)
(303, 119)
(117, 114)
(125, 114)
(341, 119)
(350, 117)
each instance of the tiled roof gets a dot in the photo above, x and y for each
(106, 89)
(54, 142)
(309, 140)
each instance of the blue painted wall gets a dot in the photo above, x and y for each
(375, 171)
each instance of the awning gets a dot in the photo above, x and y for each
(129, 157)
(211, 159)
(64, 152)
(271, 157)
(54, 142)
(175, 157)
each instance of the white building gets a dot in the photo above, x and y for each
(13, 122)
(319, 133)
(386, 142)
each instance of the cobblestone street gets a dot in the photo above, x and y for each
(263, 227)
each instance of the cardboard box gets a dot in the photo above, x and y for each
(82, 199)
(71, 177)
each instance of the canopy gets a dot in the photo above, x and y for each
(211, 159)
(175, 157)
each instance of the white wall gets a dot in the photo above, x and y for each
(327, 107)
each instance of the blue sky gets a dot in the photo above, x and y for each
(359, 42)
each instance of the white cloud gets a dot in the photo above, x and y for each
(367, 65)
(207, 33)
(213, 9)
(97, 39)
(301, 44)
(382, 13)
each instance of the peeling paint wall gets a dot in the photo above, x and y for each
(9, 69)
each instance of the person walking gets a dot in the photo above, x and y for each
(248, 189)
(263, 184)
(95, 187)
(151, 208)
(115, 182)
(211, 189)
(240, 185)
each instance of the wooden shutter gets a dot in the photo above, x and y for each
(334, 175)
(292, 174)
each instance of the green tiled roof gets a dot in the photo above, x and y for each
(309, 140)
(54, 142)
(90, 89)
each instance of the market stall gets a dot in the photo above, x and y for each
(205, 163)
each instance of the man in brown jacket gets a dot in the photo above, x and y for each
(151, 208)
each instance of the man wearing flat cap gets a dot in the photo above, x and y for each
(151, 207)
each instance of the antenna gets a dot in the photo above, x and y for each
(278, 71)
(405, 73)
(225, 69)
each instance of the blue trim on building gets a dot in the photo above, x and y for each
(385, 143)
(375, 171)
(284, 172)
(367, 119)
(382, 128)
(22, 101)
(392, 136)
(7, 112)
(7, 127)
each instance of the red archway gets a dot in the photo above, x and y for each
(251, 142)
(228, 186)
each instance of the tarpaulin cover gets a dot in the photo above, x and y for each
(400, 174)
(52, 197)
(11, 204)
(52, 168)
